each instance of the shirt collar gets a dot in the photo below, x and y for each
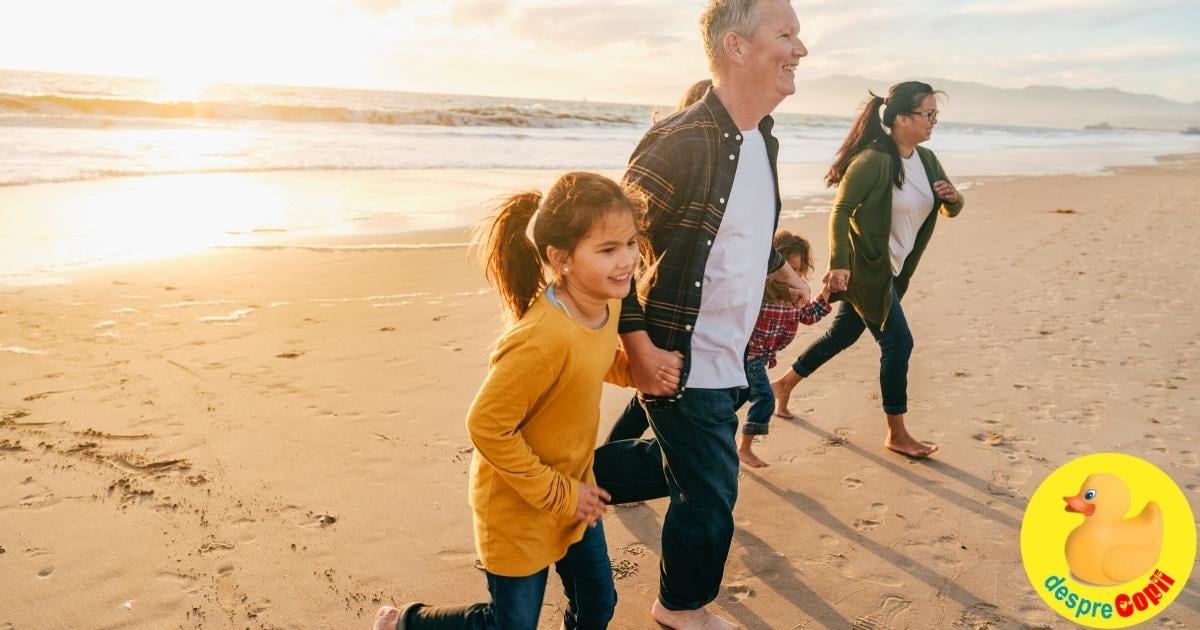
(725, 123)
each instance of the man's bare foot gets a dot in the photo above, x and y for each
(750, 459)
(782, 394)
(387, 618)
(699, 619)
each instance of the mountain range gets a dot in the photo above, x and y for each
(1032, 106)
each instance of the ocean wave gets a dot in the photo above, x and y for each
(65, 110)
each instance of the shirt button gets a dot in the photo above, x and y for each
(722, 200)
(709, 242)
(697, 283)
(726, 135)
(687, 326)
(732, 156)
(739, 137)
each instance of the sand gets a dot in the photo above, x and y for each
(275, 438)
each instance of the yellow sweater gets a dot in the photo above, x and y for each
(534, 424)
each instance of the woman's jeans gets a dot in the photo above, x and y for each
(895, 345)
(516, 602)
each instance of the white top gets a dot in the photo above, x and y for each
(736, 272)
(911, 205)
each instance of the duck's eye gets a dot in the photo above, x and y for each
(1089, 495)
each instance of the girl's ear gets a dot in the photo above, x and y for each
(558, 257)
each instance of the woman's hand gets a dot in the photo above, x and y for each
(837, 279)
(593, 503)
(945, 191)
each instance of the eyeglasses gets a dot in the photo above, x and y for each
(930, 115)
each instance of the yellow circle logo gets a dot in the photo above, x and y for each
(1108, 540)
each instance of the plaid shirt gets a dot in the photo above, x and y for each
(777, 324)
(685, 167)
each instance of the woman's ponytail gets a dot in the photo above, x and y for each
(867, 130)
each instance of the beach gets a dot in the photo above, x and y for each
(273, 437)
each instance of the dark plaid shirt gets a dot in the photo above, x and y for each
(685, 166)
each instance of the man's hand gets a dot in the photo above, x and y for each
(656, 372)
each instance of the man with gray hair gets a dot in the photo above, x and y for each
(709, 177)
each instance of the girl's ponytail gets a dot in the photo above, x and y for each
(510, 260)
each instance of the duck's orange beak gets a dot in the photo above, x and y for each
(1077, 504)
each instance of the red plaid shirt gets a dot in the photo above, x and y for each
(777, 324)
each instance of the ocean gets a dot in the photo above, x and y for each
(67, 128)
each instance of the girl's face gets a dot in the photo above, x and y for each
(796, 262)
(603, 263)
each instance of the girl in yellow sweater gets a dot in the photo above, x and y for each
(534, 420)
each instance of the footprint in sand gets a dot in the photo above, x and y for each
(738, 592)
(1187, 459)
(851, 482)
(45, 573)
(874, 520)
(889, 608)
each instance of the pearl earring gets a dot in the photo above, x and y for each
(565, 269)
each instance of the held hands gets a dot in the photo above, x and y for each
(945, 191)
(837, 280)
(655, 371)
(593, 504)
(801, 293)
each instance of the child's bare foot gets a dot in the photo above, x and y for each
(750, 459)
(699, 619)
(782, 394)
(745, 452)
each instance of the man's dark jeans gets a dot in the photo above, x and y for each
(517, 602)
(895, 346)
(693, 461)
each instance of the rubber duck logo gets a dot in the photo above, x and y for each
(1119, 551)
(1108, 549)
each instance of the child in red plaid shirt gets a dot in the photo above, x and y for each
(778, 321)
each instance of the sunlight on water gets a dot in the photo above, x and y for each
(141, 219)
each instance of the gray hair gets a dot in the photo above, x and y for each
(724, 16)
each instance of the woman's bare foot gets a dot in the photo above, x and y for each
(782, 389)
(900, 441)
(745, 452)
(699, 619)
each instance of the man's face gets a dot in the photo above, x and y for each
(774, 48)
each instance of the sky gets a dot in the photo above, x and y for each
(616, 50)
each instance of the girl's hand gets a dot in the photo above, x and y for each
(945, 191)
(593, 503)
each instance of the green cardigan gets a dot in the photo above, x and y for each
(860, 229)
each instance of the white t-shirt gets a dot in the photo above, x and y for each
(911, 205)
(735, 272)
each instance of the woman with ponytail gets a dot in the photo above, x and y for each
(561, 263)
(890, 192)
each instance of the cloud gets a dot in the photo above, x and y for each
(654, 25)
(480, 12)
